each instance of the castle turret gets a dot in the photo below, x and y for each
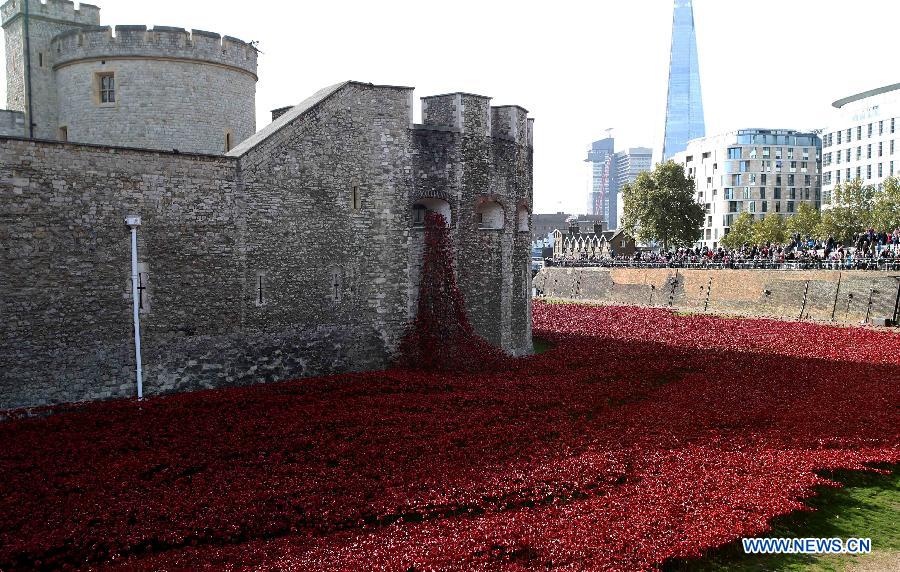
(159, 88)
(29, 26)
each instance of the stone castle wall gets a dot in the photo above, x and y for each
(845, 297)
(254, 267)
(12, 123)
(174, 89)
(45, 22)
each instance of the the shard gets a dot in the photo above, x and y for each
(684, 104)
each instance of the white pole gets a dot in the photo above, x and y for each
(134, 222)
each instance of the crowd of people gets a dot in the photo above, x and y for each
(870, 251)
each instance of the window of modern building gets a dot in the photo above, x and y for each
(751, 206)
(790, 153)
(753, 152)
(827, 177)
(778, 180)
(762, 179)
(880, 147)
(847, 156)
(892, 146)
(728, 194)
(762, 192)
(839, 137)
(806, 180)
(837, 176)
(752, 178)
(793, 166)
(736, 179)
(790, 179)
(765, 152)
(778, 152)
(879, 171)
(881, 127)
(106, 87)
(839, 157)
(892, 124)
(776, 194)
(848, 174)
(870, 130)
(892, 169)
(734, 152)
(859, 172)
(792, 193)
(859, 133)
(778, 206)
(765, 206)
(868, 171)
(858, 152)
(869, 151)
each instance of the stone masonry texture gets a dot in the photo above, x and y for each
(826, 295)
(174, 89)
(255, 266)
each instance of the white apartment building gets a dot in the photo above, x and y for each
(759, 171)
(861, 140)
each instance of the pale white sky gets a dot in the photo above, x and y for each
(578, 67)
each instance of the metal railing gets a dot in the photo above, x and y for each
(881, 264)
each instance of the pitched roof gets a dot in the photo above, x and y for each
(288, 116)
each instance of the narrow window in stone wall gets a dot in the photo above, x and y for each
(63, 133)
(336, 286)
(143, 287)
(356, 198)
(228, 141)
(419, 212)
(106, 83)
(40, 59)
(259, 287)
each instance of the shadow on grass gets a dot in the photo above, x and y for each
(867, 506)
(541, 345)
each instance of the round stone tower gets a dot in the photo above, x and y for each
(160, 88)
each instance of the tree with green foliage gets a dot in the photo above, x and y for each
(659, 206)
(805, 221)
(886, 207)
(850, 212)
(740, 232)
(771, 228)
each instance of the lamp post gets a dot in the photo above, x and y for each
(133, 223)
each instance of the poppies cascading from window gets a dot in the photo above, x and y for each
(441, 336)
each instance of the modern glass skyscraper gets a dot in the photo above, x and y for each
(684, 104)
(603, 179)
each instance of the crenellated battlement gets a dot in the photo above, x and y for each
(164, 42)
(473, 115)
(61, 10)
(510, 122)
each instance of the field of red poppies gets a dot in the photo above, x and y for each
(640, 436)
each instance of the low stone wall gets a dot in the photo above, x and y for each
(848, 297)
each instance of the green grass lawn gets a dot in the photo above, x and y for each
(868, 506)
(540, 345)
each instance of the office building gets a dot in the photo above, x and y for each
(759, 171)
(684, 104)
